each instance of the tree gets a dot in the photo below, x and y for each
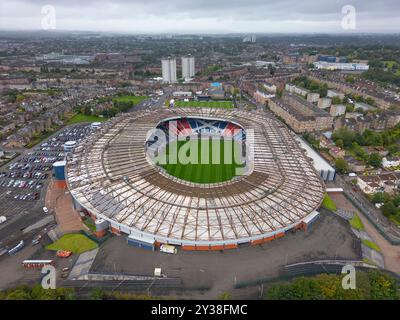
(346, 135)
(87, 111)
(370, 101)
(389, 209)
(380, 197)
(18, 294)
(396, 200)
(360, 152)
(225, 296)
(271, 69)
(350, 79)
(336, 100)
(349, 107)
(375, 160)
(339, 143)
(383, 286)
(320, 287)
(371, 138)
(97, 294)
(341, 165)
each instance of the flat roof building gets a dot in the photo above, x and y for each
(188, 67)
(168, 67)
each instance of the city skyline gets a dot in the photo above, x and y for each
(179, 16)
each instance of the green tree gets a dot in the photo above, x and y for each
(87, 111)
(346, 135)
(97, 294)
(339, 143)
(225, 296)
(383, 286)
(336, 100)
(341, 165)
(389, 209)
(375, 160)
(380, 197)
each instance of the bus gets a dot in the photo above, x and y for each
(37, 264)
(18, 247)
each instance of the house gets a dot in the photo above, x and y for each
(380, 150)
(363, 106)
(313, 97)
(15, 141)
(271, 88)
(324, 103)
(354, 164)
(385, 182)
(262, 97)
(325, 142)
(388, 162)
(337, 110)
(334, 93)
(337, 152)
(369, 184)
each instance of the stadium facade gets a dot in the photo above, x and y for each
(111, 176)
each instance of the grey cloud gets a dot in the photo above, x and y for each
(237, 14)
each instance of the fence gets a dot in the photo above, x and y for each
(390, 239)
(95, 239)
(303, 269)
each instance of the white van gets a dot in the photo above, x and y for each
(167, 248)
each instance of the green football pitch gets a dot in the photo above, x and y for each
(201, 161)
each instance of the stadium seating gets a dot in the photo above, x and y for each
(191, 126)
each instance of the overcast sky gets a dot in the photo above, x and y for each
(203, 16)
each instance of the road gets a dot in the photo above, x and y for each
(391, 231)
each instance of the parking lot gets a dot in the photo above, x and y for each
(23, 182)
(330, 238)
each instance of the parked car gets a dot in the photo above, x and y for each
(63, 253)
(2, 219)
(36, 240)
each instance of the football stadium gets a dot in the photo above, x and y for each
(133, 177)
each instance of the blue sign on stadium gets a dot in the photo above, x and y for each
(216, 84)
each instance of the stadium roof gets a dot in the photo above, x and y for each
(110, 175)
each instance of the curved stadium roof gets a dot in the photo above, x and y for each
(110, 175)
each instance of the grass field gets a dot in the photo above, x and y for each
(127, 98)
(74, 242)
(202, 172)
(371, 245)
(205, 104)
(356, 223)
(83, 118)
(328, 203)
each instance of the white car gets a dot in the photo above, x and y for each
(2, 219)
(45, 210)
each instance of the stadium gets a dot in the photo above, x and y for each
(113, 175)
